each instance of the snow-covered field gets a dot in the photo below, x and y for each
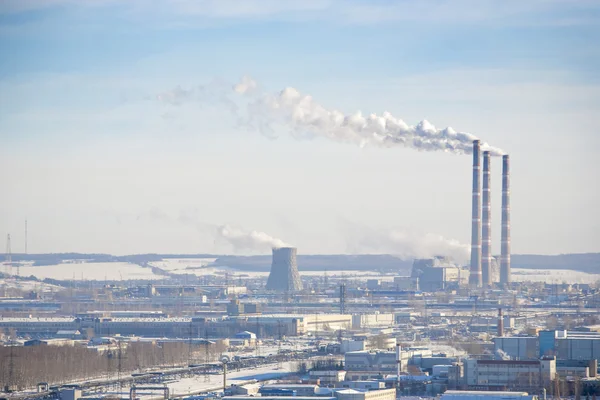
(28, 286)
(202, 266)
(195, 266)
(91, 271)
(553, 276)
(201, 383)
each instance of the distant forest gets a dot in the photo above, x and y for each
(588, 262)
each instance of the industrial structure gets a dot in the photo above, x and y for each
(475, 276)
(284, 276)
(482, 263)
(486, 225)
(505, 239)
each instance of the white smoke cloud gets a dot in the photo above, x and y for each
(404, 243)
(304, 117)
(246, 85)
(249, 240)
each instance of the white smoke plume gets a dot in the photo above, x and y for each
(249, 240)
(501, 355)
(304, 117)
(404, 244)
(246, 86)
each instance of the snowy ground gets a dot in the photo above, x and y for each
(195, 266)
(91, 271)
(28, 286)
(202, 266)
(205, 383)
(553, 276)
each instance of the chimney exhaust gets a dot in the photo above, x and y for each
(505, 239)
(486, 231)
(475, 269)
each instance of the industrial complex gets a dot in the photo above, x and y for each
(437, 330)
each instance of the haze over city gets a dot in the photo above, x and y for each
(97, 161)
(303, 199)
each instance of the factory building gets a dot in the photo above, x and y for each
(365, 394)
(487, 395)
(570, 345)
(438, 273)
(527, 375)
(517, 347)
(271, 324)
(365, 365)
(376, 320)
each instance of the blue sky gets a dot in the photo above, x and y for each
(95, 163)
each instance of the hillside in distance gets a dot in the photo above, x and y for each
(585, 262)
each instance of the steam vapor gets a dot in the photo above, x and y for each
(407, 244)
(303, 116)
(248, 240)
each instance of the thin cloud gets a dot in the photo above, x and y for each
(182, 13)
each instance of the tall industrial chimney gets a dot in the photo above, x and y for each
(505, 239)
(475, 270)
(500, 330)
(486, 225)
(284, 276)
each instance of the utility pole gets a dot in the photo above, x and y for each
(257, 337)
(206, 355)
(8, 257)
(279, 344)
(190, 343)
(343, 298)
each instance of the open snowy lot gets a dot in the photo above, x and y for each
(553, 276)
(91, 271)
(28, 286)
(196, 266)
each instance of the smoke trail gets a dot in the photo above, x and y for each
(404, 244)
(304, 117)
(302, 114)
(249, 240)
(246, 86)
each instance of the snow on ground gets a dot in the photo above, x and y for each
(28, 286)
(553, 276)
(91, 271)
(197, 383)
(210, 382)
(182, 265)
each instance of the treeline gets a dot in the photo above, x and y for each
(24, 367)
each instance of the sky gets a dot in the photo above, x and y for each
(96, 160)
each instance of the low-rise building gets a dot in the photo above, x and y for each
(487, 395)
(354, 394)
(517, 347)
(300, 390)
(531, 375)
(328, 378)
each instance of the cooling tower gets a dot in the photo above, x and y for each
(486, 225)
(475, 269)
(284, 276)
(505, 239)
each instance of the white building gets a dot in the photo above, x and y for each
(476, 395)
(510, 374)
(354, 394)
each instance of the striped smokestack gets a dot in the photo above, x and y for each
(486, 233)
(505, 239)
(475, 270)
